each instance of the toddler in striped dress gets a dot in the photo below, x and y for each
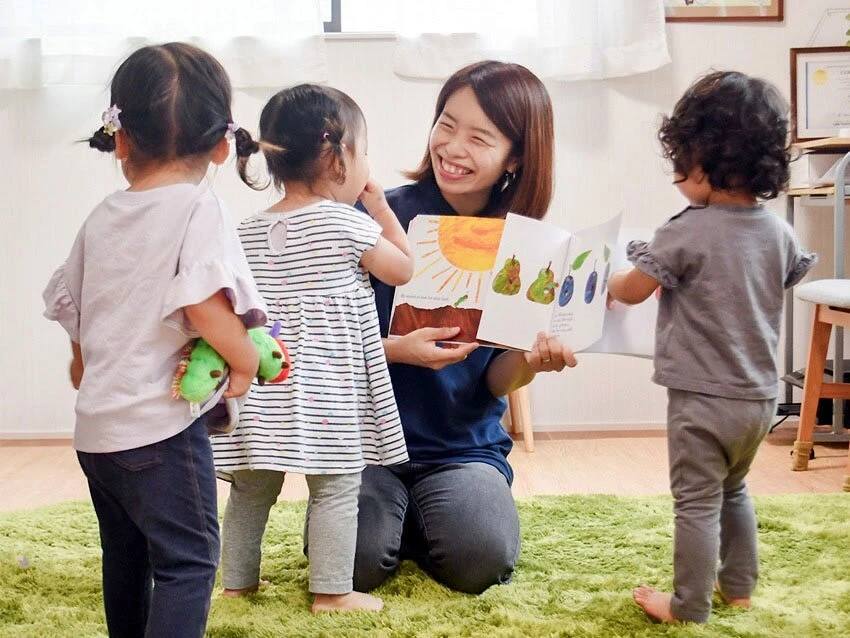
(311, 254)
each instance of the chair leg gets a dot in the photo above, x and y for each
(525, 418)
(516, 417)
(811, 391)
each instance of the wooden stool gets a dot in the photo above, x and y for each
(832, 308)
(520, 409)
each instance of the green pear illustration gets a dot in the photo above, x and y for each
(506, 281)
(542, 290)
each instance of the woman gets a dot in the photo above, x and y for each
(450, 508)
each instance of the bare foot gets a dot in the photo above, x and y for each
(351, 601)
(734, 602)
(236, 593)
(655, 603)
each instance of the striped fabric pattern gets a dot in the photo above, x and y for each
(336, 411)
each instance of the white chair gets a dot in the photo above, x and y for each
(832, 308)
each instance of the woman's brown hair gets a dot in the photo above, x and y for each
(518, 104)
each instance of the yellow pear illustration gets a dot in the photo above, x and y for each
(506, 281)
(542, 290)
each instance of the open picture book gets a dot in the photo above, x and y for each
(504, 280)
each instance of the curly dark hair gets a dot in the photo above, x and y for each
(735, 128)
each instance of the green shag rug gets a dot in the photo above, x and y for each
(580, 558)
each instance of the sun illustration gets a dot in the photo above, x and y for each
(820, 76)
(461, 253)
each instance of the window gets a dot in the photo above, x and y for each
(360, 16)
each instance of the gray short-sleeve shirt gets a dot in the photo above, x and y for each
(723, 271)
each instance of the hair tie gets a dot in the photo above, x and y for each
(325, 136)
(110, 120)
(232, 127)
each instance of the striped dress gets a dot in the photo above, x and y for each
(336, 411)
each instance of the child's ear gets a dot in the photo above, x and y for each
(122, 145)
(220, 152)
(337, 169)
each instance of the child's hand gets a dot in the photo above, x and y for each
(373, 199)
(549, 355)
(238, 384)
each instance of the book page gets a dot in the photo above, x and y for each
(454, 257)
(528, 269)
(629, 330)
(579, 310)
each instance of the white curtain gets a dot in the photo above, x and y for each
(259, 42)
(557, 39)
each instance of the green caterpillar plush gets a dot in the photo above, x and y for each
(202, 370)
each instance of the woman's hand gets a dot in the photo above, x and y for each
(420, 348)
(549, 355)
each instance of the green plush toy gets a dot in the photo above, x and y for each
(202, 370)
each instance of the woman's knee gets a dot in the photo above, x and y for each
(476, 562)
(380, 523)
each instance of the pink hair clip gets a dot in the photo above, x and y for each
(110, 120)
(232, 127)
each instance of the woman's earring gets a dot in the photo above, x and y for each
(507, 180)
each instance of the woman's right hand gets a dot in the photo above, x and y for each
(420, 348)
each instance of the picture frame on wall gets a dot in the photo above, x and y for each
(723, 10)
(820, 92)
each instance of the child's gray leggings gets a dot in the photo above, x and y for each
(331, 535)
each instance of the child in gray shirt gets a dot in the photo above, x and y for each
(723, 265)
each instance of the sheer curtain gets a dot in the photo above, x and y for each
(557, 39)
(260, 43)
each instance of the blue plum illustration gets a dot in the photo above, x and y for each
(605, 278)
(590, 288)
(566, 291)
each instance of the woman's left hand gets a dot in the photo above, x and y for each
(549, 355)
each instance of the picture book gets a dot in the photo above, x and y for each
(629, 330)
(503, 281)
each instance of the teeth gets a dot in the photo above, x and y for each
(452, 169)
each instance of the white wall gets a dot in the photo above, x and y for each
(607, 160)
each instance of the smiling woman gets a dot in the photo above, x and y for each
(489, 152)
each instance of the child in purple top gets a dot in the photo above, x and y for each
(152, 267)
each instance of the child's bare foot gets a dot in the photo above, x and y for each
(734, 602)
(351, 601)
(236, 593)
(655, 603)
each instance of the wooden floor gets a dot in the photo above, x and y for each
(565, 463)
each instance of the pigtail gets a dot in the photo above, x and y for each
(101, 141)
(246, 146)
(333, 136)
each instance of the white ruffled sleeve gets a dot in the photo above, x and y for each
(60, 305)
(212, 259)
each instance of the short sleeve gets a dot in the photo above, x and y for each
(64, 290)
(212, 259)
(799, 264)
(60, 305)
(361, 230)
(664, 258)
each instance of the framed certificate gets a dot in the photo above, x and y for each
(722, 10)
(820, 92)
